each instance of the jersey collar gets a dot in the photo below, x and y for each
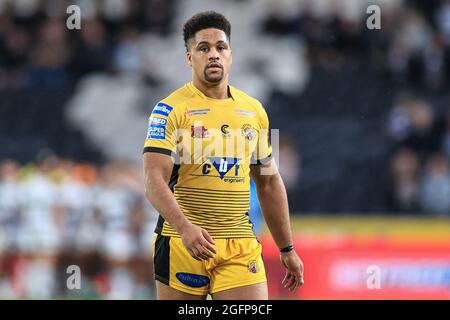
(194, 89)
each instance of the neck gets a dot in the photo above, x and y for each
(215, 91)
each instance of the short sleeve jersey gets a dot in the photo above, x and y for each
(213, 143)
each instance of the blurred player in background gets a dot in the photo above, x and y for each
(9, 216)
(204, 242)
(254, 212)
(39, 231)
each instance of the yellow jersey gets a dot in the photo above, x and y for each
(213, 143)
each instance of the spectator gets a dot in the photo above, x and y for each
(50, 55)
(399, 122)
(410, 39)
(277, 22)
(13, 56)
(93, 53)
(127, 55)
(425, 131)
(442, 19)
(157, 16)
(404, 187)
(434, 62)
(435, 188)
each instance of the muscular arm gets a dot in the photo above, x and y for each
(157, 171)
(274, 204)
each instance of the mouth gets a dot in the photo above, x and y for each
(214, 66)
(214, 70)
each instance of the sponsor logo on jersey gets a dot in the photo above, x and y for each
(197, 112)
(222, 165)
(158, 121)
(225, 131)
(248, 132)
(162, 109)
(242, 112)
(199, 132)
(228, 169)
(192, 280)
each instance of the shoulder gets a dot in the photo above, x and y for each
(176, 101)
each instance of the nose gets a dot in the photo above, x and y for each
(213, 54)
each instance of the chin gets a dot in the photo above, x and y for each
(213, 77)
(214, 80)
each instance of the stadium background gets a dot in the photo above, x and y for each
(364, 119)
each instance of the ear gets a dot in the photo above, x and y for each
(189, 58)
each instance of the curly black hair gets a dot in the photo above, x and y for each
(205, 20)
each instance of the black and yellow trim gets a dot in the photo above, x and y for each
(159, 150)
(162, 259)
(223, 213)
(261, 161)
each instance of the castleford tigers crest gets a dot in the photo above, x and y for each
(248, 132)
(253, 267)
(225, 131)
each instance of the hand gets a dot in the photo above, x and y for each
(198, 242)
(294, 270)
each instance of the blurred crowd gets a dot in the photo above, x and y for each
(412, 50)
(420, 163)
(57, 213)
(413, 45)
(36, 49)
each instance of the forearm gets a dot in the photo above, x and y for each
(274, 204)
(163, 200)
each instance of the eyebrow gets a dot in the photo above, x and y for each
(208, 43)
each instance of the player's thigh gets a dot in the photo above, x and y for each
(242, 275)
(177, 269)
(164, 292)
(257, 291)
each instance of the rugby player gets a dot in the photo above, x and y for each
(204, 143)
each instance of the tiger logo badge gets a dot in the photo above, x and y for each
(253, 267)
(248, 132)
